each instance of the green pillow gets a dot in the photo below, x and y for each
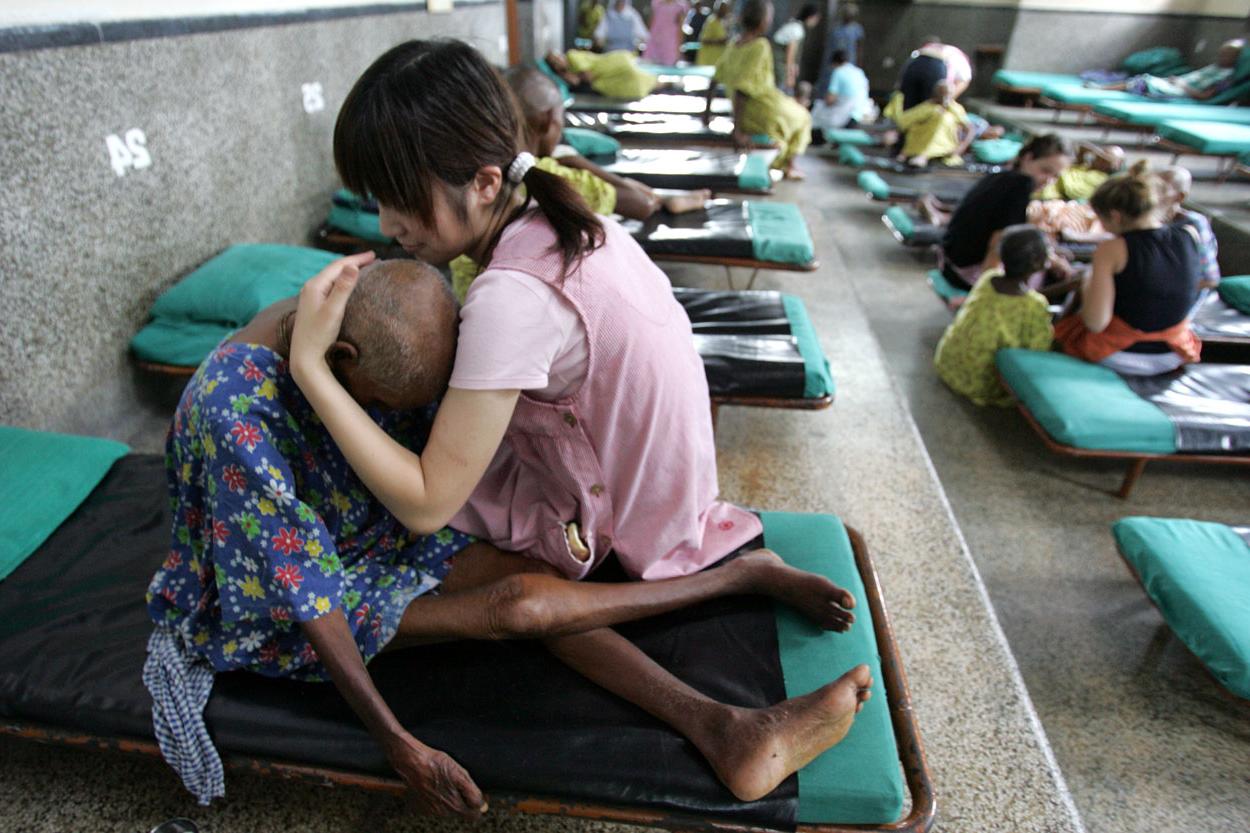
(844, 136)
(347, 213)
(178, 342)
(851, 156)
(945, 290)
(901, 221)
(753, 173)
(590, 142)
(872, 183)
(1235, 291)
(817, 375)
(1198, 574)
(996, 151)
(233, 286)
(43, 479)
(1241, 71)
(778, 233)
(1152, 60)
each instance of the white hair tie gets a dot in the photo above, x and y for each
(520, 167)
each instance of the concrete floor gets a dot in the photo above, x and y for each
(1144, 738)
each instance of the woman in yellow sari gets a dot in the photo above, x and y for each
(746, 71)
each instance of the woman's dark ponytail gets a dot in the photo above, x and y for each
(578, 230)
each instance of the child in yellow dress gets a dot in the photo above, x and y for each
(746, 71)
(1001, 311)
(933, 130)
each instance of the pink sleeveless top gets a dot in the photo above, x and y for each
(630, 455)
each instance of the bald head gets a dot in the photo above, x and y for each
(1178, 180)
(542, 108)
(534, 91)
(399, 331)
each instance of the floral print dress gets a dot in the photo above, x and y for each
(272, 528)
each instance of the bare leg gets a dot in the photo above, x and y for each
(932, 210)
(751, 750)
(686, 201)
(493, 595)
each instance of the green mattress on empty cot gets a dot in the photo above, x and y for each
(1198, 575)
(1023, 80)
(1150, 113)
(1085, 405)
(1215, 138)
(1080, 95)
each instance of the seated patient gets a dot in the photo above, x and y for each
(1176, 182)
(282, 564)
(759, 107)
(1090, 168)
(543, 114)
(612, 74)
(845, 101)
(1199, 85)
(1000, 312)
(937, 129)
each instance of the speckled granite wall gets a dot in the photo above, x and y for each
(234, 158)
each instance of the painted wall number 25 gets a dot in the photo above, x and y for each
(314, 98)
(128, 151)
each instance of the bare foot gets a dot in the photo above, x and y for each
(759, 748)
(689, 201)
(929, 207)
(918, 161)
(816, 597)
(793, 173)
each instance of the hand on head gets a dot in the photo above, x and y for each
(320, 313)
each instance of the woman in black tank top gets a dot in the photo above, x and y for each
(1147, 276)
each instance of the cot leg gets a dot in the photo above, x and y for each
(1224, 170)
(729, 277)
(715, 414)
(1130, 477)
(751, 282)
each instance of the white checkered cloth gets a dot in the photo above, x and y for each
(180, 683)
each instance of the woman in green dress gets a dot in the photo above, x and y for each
(746, 71)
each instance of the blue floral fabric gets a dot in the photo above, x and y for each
(272, 528)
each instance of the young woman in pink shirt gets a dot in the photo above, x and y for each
(577, 419)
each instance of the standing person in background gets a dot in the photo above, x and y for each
(714, 36)
(664, 43)
(621, 28)
(746, 71)
(589, 16)
(847, 32)
(788, 46)
(845, 35)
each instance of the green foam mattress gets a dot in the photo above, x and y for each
(1207, 136)
(859, 780)
(1085, 405)
(1198, 575)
